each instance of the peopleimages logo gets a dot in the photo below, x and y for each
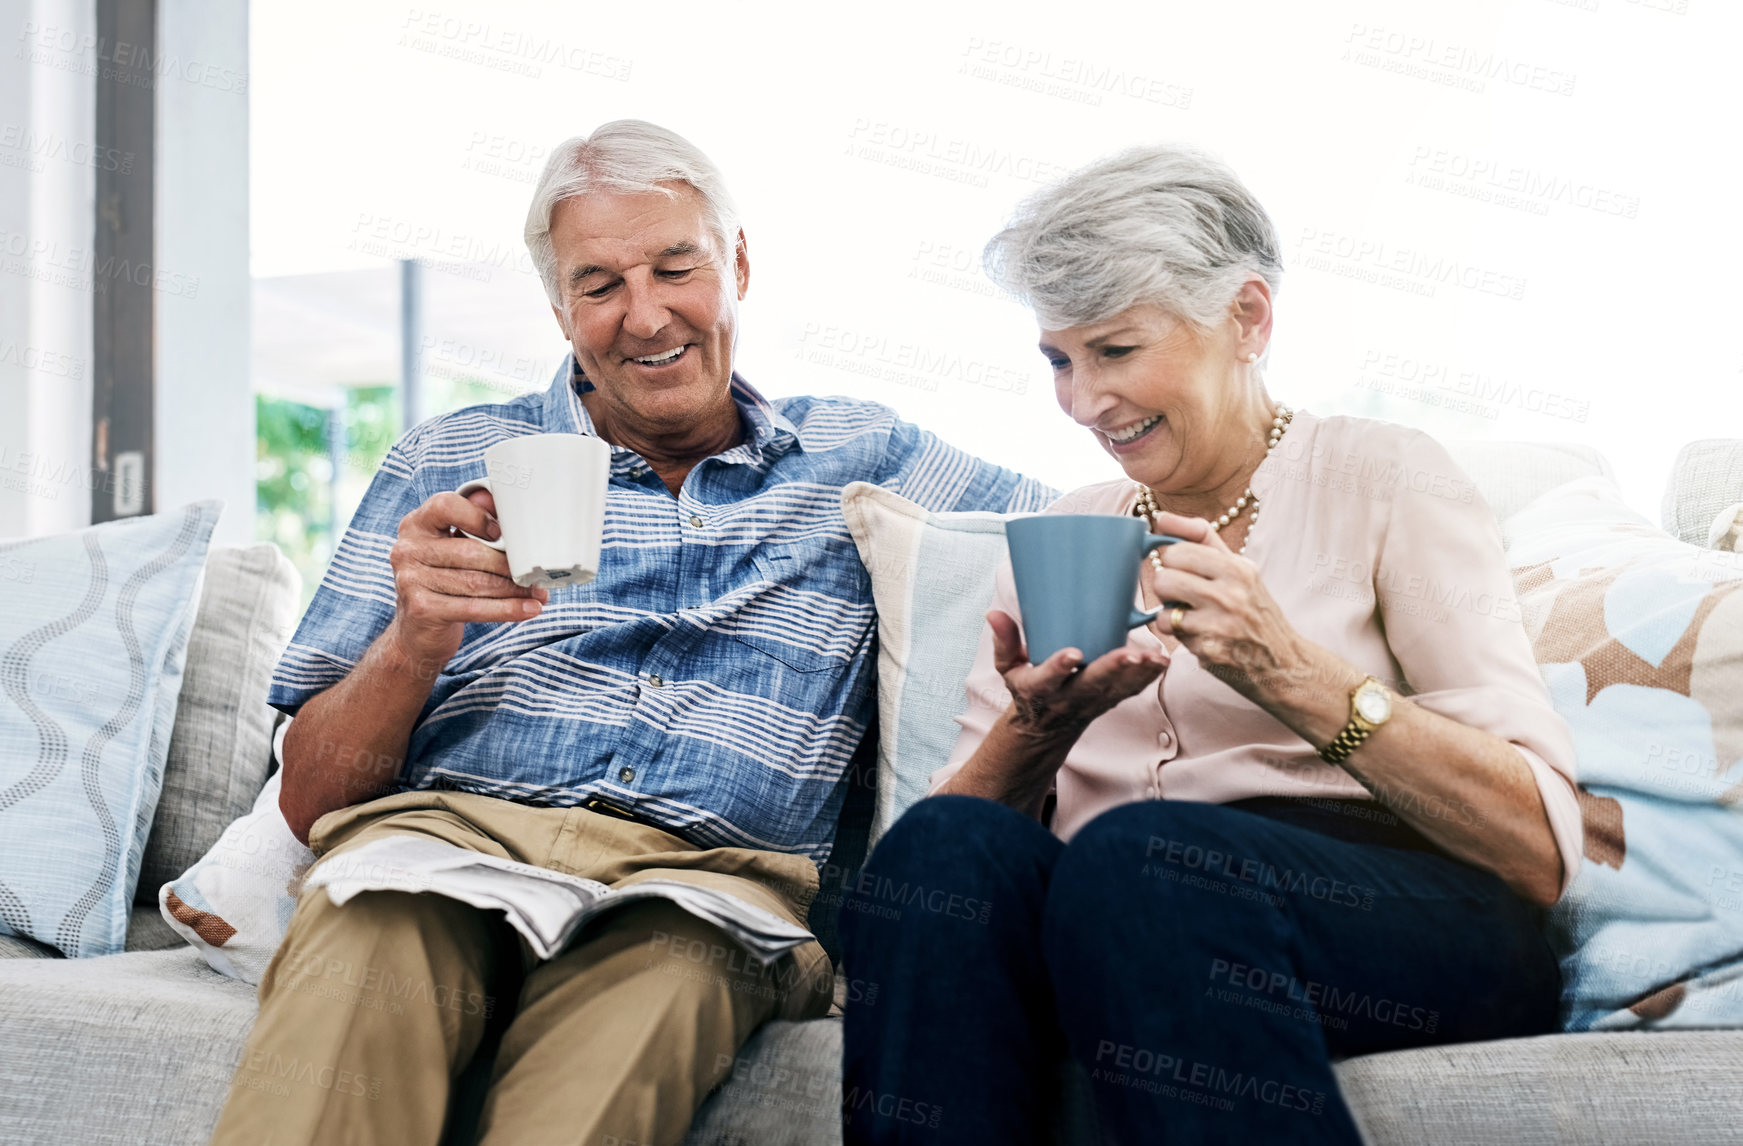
(1415, 374)
(505, 49)
(1070, 78)
(42, 361)
(1448, 62)
(51, 261)
(1488, 179)
(1322, 998)
(959, 160)
(1408, 268)
(85, 53)
(879, 357)
(37, 145)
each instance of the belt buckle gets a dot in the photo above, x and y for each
(595, 804)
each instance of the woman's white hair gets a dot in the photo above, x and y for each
(1168, 225)
(626, 156)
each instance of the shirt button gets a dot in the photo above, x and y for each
(695, 521)
(655, 680)
(626, 773)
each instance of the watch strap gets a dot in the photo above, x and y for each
(1356, 731)
(1345, 742)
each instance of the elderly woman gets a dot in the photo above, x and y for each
(1313, 810)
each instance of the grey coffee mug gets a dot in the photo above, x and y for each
(1077, 575)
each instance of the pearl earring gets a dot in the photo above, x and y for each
(1252, 357)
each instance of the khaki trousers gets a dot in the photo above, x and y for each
(368, 1012)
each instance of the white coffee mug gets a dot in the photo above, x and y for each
(550, 505)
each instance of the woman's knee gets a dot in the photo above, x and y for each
(954, 870)
(1134, 839)
(1153, 853)
(962, 835)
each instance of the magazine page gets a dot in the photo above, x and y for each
(547, 907)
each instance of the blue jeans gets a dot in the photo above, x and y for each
(1203, 963)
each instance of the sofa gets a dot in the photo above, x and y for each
(138, 1047)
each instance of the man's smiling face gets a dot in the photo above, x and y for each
(650, 303)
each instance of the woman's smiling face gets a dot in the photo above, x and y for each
(1160, 396)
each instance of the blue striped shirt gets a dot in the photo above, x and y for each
(715, 678)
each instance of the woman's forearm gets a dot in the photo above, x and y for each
(1467, 790)
(1014, 765)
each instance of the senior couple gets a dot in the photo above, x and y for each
(1289, 821)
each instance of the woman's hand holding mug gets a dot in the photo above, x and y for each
(1054, 698)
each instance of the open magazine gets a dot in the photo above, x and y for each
(547, 907)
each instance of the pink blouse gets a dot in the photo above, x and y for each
(1376, 546)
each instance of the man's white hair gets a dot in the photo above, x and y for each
(626, 156)
(1168, 225)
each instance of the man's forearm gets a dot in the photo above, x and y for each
(349, 742)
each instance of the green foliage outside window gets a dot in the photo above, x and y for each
(298, 494)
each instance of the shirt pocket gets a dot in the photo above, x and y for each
(809, 609)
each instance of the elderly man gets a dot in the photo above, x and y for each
(689, 714)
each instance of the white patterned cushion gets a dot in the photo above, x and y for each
(236, 902)
(92, 644)
(1640, 640)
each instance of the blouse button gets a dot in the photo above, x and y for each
(1165, 739)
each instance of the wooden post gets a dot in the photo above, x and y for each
(123, 263)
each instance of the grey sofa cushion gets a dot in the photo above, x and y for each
(147, 930)
(1624, 1088)
(128, 1049)
(1511, 475)
(784, 1090)
(18, 947)
(1620, 1089)
(139, 1048)
(1707, 477)
(221, 748)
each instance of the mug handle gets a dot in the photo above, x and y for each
(470, 487)
(1151, 541)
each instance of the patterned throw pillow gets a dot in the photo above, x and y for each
(93, 637)
(1640, 639)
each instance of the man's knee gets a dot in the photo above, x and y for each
(363, 942)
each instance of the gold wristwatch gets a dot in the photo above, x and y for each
(1370, 707)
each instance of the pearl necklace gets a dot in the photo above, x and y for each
(1147, 508)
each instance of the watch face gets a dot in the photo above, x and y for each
(1372, 704)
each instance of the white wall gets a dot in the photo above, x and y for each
(47, 187)
(205, 405)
